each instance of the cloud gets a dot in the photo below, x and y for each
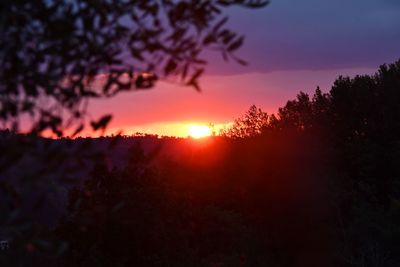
(315, 35)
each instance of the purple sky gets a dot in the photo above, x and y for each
(318, 34)
(290, 45)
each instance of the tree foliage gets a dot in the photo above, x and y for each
(352, 135)
(249, 125)
(57, 55)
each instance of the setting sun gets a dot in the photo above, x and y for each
(199, 131)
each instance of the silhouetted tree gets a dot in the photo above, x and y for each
(134, 216)
(318, 186)
(250, 125)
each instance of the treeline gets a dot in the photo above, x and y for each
(317, 184)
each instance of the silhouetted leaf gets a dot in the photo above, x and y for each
(236, 44)
(101, 123)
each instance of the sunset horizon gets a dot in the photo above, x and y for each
(205, 108)
(200, 133)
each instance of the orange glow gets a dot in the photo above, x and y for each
(180, 129)
(199, 131)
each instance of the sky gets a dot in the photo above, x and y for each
(291, 46)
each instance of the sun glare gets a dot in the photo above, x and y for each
(199, 131)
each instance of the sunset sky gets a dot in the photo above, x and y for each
(291, 46)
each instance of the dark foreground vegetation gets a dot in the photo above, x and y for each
(315, 185)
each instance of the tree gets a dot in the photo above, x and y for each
(346, 142)
(57, 55)
(249, 125)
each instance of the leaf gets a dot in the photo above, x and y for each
(193, 81)
(101, 123)
(223, 3)
(89, 93)
(241, 61)
(220, 24)
(209, 39)
(256, 3)
(185, 71)
(235, 45)
(196, 86)
(136, 53)
(196, 75)
(170, 67)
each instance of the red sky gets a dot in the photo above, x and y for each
(168, 109)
